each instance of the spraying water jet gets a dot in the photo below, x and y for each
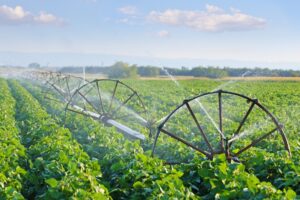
(114, 103)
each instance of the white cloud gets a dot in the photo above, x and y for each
(17, 15)
(13, 14)
(128, 10)
(212, 19)
(47, 18)
(163, 33)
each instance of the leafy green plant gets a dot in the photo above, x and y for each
(129, 171)
(58, 167)
(13, 153)
(222, 180)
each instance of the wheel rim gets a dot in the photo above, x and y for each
(110, 99)
(224, 141)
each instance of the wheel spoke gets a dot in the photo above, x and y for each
(95, 109)
(113, 96)
(256, 141)
(221, 120)
(243, 120)
(123, 104)
(186, 143)
(68, 87)
(89, 89)
(199, 127)
(101, 104)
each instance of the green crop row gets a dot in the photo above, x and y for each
(127, 170)
(58, 167)
(132, 173)
(13, 153)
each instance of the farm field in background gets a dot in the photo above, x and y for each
(62, 156)
(252, 78)
(262, 78)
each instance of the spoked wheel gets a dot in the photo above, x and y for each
(219, 122)
(107, 100)
(61, 87)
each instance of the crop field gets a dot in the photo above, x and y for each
(49, 152)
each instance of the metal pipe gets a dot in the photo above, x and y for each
(122, 128)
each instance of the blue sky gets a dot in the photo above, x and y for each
(170, 32)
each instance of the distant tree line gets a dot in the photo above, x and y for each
(124, 70)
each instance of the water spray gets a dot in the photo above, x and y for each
(93, 99)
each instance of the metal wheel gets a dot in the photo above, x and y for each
(61, 87)
(219, 122)
(110, 101)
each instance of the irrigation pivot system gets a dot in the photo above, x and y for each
(216, 139)
(217, 122)
(110, 101)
